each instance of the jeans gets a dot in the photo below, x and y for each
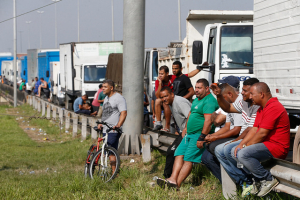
(251, 157)
(87, 112)
(212, 163)
(223, 153)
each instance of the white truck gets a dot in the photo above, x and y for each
(277, 52)
(222, 38)
(83, 67)
(56, 95)
(8, 71)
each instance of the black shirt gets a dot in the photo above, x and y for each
(181, 85)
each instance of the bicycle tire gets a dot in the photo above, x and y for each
(89, 158)
(95, 166)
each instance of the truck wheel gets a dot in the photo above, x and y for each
(296, 149)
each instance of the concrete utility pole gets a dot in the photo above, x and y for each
(28, 22)
(40, 12)
(78, 20)
(112, 21)
(21, 40)
(15, 55)
(133, 72)
(55, 24)
(179, 21)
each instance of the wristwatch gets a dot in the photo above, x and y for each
(244, 146)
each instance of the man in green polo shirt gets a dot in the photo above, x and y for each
(22, 85)
(199, 124)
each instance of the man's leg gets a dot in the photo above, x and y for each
(167, 113)
(212, 164)
(178, 163)
(87, 112)
(113, 141)
(39, 91)
(158, 124)
(184, 172)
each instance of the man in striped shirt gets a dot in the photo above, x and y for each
(248, 110)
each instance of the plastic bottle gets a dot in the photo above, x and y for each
(239, 164)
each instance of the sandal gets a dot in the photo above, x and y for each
(165, 130)
(161, 182)
(172, 185)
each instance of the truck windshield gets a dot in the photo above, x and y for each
(94, 73)
(236, 47)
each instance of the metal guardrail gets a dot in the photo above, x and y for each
(288, 173)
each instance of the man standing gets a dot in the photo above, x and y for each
(36, 86)
(269, 137)
(114, 113)
(79, 107)
(22, 85)
(166, 80)
(198, 126)
(232, 128)
(180, 108)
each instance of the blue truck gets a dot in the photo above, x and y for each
(4, 58)
(44, 61)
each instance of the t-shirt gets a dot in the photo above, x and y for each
(248, 112)
(96, 96)
(275, 118)
(112, 108)
(199, 108)
(77, 102)
(101, 97)
(180, 109)
(169, 84)
(235, 119)
(220, 111)
(181, 85)
(21, 86)
(145, 107)
(36, 86)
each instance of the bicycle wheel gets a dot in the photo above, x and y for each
(90, 155)
(104, 171)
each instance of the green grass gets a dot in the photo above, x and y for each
(64, 178)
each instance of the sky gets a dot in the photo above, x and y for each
(95, 21)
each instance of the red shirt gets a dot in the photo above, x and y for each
(95, 101)
(275, 118)
(169, 84)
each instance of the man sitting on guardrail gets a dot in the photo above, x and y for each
(180, 108)
(269, 138)
(198, 126)
(80, 108)
(223, 151)
(231, 130)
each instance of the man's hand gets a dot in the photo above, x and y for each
(183, 132)
(215, 88)
(116, 127)
(153, 116)
(200, 144)
(159, 81)
(236, 149)
(100, 126)
(210, 138)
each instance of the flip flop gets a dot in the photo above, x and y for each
(172, 185)
(161, 182)
(165, 130)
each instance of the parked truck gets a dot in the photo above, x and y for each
(8, 71)
(4, 57)
(83, 67)
(23, 71)
(222, 38)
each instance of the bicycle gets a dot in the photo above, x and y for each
(97, 159)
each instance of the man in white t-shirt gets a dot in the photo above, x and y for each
(230, 131)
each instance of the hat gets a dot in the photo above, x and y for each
(231, 80)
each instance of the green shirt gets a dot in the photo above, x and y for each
(21, 86)
(101, 97)
(207, 105)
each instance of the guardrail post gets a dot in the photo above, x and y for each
(48, 110)
(83, 127)
(75, 124)
(92, 124)
(33, 102)
(146, 149)
(36, 103)
(54, 112)
(39, 105)
(67, 123)
(60, 114)
(43, 108)
(228, 185)
(30, 99)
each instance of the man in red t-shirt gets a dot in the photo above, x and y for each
(269, 138)
(166, 80)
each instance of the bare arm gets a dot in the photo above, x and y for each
(101, 101)
(122, 118)
(207, 124)
(185, 128)
(153, 107)
(158, 89)
(218, 119)
(243, 135)
(259, 136)
(225, 105)
(248, 138)
(146, 103)
(190, 93)
(193, 73)
(81, 107)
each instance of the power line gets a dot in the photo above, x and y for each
(30, 11)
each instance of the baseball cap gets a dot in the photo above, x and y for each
(231, 80)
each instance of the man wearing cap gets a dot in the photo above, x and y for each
(231, 130)
(248, 111)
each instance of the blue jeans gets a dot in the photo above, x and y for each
(212, 163)
(251, 157)
(223, 153)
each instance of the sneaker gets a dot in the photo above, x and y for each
(256, 186)
(158, 127)
(267, 186)
(246, 189)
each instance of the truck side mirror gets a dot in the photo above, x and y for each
(47, 74)
(24, 72)
(197, 52)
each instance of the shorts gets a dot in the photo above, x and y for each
(113, 140)
(189, 150)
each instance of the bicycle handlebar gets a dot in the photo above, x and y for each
(109, 127)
